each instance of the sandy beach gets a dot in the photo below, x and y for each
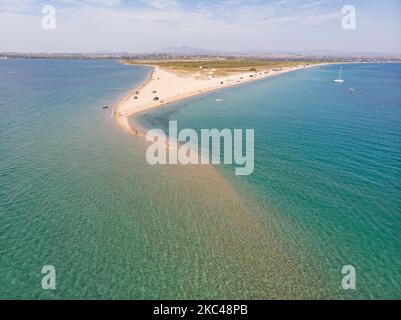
(166, 86)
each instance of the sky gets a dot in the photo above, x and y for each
(228, 25)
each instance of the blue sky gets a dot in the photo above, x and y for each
(230, 25)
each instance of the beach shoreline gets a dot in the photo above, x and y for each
(163, 87)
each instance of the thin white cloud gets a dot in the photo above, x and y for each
(116, 25)
(8, 6)
(162, 4)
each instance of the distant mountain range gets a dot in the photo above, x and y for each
(194, 51)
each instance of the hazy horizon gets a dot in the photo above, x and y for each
(89, 26)
(211, 51)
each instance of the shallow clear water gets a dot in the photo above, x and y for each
(327, 162)
(77, 193)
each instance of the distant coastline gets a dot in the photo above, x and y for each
(197, 53)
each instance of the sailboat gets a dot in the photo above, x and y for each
(339, 80)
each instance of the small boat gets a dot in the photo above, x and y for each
(219, 100)
(351, 89)
(339, 80)
(105, 107)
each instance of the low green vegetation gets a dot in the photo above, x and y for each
(221, 66)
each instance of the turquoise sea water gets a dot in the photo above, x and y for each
(77, 193)
(327, 159)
